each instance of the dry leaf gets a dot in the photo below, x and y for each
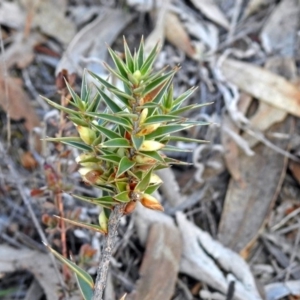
(18, 104)
(28, 161)
(279, 35)
(247, 207)
(264, 85)
(231, 148)
(212, 12)
(177, 35)
(105, 28)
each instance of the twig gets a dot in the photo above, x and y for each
(108, 247)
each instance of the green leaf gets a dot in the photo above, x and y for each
(153, 154)
(106, 201)
(86, 291)
(118, 75)
(114, 107)
(167, 129)
(184, 96)
(160, 119)
(173, 161)
(116, 143)
(122, 68)
(137, 141)
(144, 183)
(128, 56)
(152, 188)
(80, 272)
(60, 107)
(84, 87)
(78, 145)
(121, 186)
(81, 224)
(64, 139)
(94, 104)
(78, 121)
(76, 99)
(176, 149)
(110, 87)
(140, 54)
(147, 65)
(183, 139)
(115, 159)
(124, 165)
(119, 93)
(111, 118)
(122, 197)
(158, 83)
(107, 132)
(177, 111)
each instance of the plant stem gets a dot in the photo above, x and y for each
(108, 247)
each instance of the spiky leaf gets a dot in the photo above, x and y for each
(124, 165)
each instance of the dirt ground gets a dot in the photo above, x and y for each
(231, 225)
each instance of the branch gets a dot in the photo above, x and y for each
(108, 247)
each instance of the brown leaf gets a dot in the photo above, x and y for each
(18, 104)
(247, 207)
(176, 34)
(264, 85)
(231, 148)
(159, 269)
(28, 161)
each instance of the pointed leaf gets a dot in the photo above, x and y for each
(118, 75)
(183, 139)
(78, 145)
(128, 56)
(167, 129)
(122, 197)
(78, 121)
(84, 87)
(110, 87)
(107, 132)
(111, 118)
(63, 139)
(137, 141)
(176, 149)
(184, 96)
(82, 224)
(140, 54)
(177, 111)
(107, 201)
(80, 272)
(116, 143)
(114, 107)
(86, 291)
(121, 186)
(147, 65)
(124, 165)
(122, 68)
(152, 188)
(60, 107)
(144, 183)
(76, 99)
(94, 104)
(160, 119)
(153, 154)
(115, 159)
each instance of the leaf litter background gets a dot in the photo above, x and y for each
(231, 227)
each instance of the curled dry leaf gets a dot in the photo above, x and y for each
(18, 103)
(264, 85)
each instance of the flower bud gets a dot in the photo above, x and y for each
(148, 129)
(86, 134)
(137, 75)
(151, 145)
(91, 175)
(103, 221)
(143, 116)
(129, 208)
(150, 202)
(133, 79)
(155, 179)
